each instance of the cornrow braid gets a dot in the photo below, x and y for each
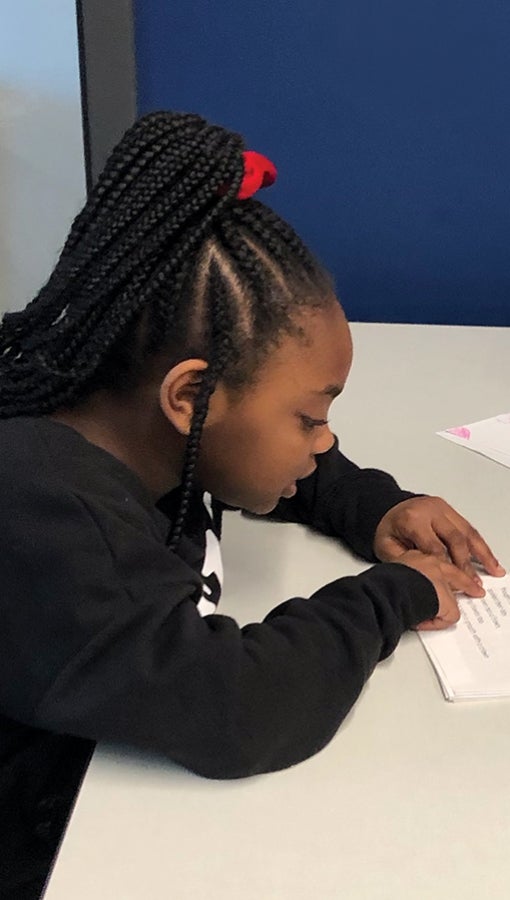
(165, 261)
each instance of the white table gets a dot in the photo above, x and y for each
(411, 799)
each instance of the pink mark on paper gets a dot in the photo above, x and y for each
(460, 431)
(505, 419)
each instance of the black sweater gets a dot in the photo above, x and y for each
(102, 637)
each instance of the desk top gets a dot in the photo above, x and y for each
(411, 799)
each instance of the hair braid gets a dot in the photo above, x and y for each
(191, 456)
(221, 349)
(278, 237)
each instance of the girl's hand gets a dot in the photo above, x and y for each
(445, 577)
(429, 524)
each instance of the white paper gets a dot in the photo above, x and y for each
(491, 437)
(472, 658)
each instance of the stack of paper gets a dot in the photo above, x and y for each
(491, 437)
(472, 658)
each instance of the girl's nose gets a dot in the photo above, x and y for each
(325, 440)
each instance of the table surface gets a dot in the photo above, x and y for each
(411, 799)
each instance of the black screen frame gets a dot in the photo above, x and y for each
(107, 61)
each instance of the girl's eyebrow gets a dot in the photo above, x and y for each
(331, 390)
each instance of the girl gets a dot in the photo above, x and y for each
(186, 342)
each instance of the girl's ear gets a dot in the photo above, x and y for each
(179, 391)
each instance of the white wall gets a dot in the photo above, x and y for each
(42, 177)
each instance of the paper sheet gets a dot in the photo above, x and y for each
(472, 658)
(491, 437)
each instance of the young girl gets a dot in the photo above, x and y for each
(186, 342)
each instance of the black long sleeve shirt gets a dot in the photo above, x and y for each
(102, 637)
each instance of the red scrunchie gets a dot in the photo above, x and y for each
(259, 172)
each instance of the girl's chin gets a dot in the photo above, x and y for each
(259, 506)
(262, 508)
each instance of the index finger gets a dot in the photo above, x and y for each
(481, 551)
(478, 547)
(459, 580)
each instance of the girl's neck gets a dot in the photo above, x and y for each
(134, 430)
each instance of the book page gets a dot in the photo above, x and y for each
(472, 658)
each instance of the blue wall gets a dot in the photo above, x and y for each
(389, 123)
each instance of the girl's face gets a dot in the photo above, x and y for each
(256, 445)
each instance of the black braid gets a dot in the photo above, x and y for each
(192, 448)
(220, 323)
(163, 259)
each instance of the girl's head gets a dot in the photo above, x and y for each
(165, 266)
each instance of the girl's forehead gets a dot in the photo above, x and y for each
(319, 360)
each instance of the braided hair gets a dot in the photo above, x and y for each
(163, 258)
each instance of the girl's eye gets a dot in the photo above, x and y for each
(309, 424)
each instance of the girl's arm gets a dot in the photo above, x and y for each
(367, 510)
(344, 501)
(101, 639)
